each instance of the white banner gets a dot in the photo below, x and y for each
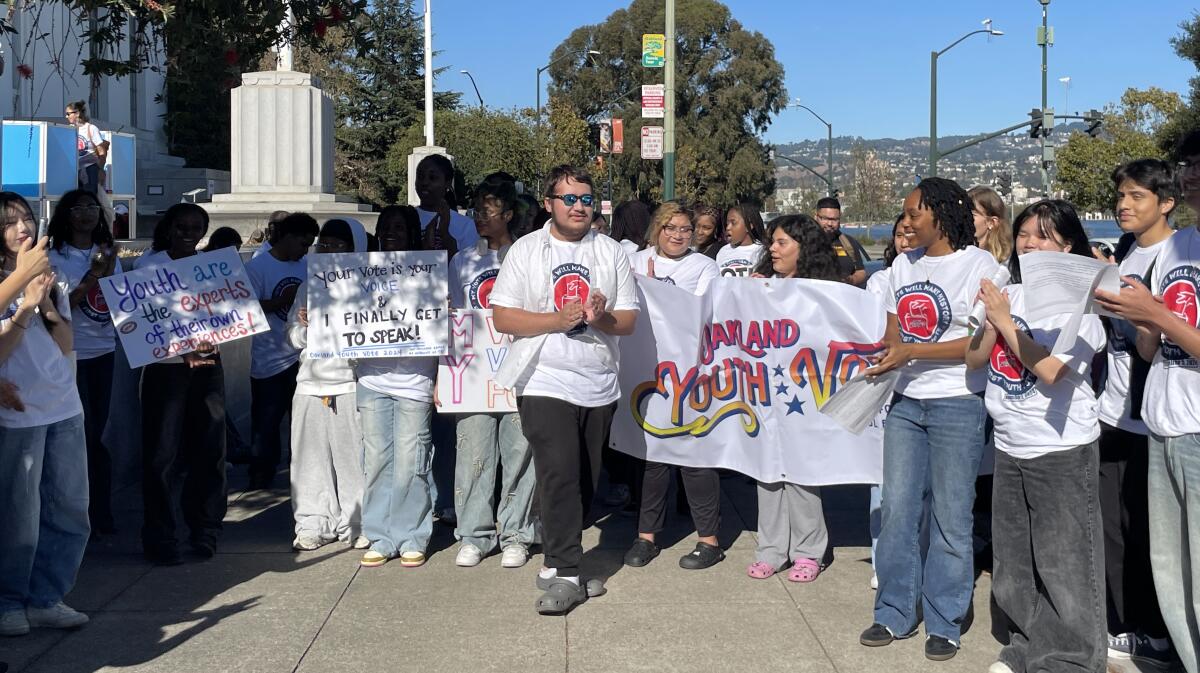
(377, 304)
(171, 309)
(465, 377)
(735, 379)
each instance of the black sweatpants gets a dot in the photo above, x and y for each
(1132, 600)
(270, 401)
(183, 430)
(567, 443)
(93, 379)
(702, 486)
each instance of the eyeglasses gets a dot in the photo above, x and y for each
(569, 200)
(682, 231)
(71, 112)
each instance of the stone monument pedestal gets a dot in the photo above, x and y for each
(281, 154)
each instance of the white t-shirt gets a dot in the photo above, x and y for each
(406, 378)
(692, 272)
(271, 353)
(1032, 418)
(931, 297)
(88, 137)
(739, 261)
(1113, 405)
(1171, 406)
(879, 283)
(472, 276)
(151, 257)
(629, 247)
(262, 250)
(567, 368)
(90, 320)
(45, 376)
(462, 228)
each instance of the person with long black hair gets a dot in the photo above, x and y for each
(933, 439)
(630, 221)
(83, 252)
(1046, 531)
(746, 237)
(442, 226)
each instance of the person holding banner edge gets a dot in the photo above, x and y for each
(934, 433)
(488, 441)
(566, 295)
(670, 259)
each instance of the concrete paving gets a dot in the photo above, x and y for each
(259, 607)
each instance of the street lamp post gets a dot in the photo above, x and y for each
(933, 61)
(828, 147)
(538, 111)
(475, 86)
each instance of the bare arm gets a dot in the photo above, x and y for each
(521, 323)
(979, 348)
(1136, 304)
(897, 354)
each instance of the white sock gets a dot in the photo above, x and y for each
(573, 580)
(547, 573)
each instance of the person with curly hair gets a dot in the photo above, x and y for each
(791, 521)
(934, 436)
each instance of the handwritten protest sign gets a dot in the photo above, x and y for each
(173, 308)
(465, 383)
(377, 304)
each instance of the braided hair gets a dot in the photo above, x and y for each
(952, 210)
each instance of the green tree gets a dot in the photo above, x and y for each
(1132, 129)
(728, 85)
(1187, 46)
(872, 196)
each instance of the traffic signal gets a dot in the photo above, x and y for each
(1035, 129)
(1094, 120)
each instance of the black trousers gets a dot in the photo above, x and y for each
(702, 486)
(1132, 600)
(183, 432)
(93, 378)
(270, 401)
(567, 443)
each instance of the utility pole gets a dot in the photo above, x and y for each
(1045, 38)
(669, 108)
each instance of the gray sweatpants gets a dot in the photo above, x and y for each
(327, 469)
(791, 524)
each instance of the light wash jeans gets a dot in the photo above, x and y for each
(929, 446)
(43, 512)
(1174, 489)
(486, 441)
(397, 460)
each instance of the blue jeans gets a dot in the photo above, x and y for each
(485, 442)
(930, 446)
(397, 459)
(1174, 488)
(43, 512)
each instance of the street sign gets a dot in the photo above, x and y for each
(652, 142)
(606, 207)
(618, 136)
(654, 50)
(654, 101)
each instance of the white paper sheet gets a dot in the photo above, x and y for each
(859, 400)
(1060, 284)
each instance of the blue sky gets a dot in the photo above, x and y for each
(877, 82)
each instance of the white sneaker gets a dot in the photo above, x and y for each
(1121, 645)
(514, 556)
(308, 541)
(57, 616)
(360, 542)
(469, 556)
(874, 581)
(13, 623)
(999, 667)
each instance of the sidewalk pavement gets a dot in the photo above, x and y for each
(260, 607)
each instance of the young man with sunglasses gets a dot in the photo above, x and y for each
(565, 294)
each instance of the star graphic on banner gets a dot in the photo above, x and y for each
(778, 371)
(782, 389)
(795, 405)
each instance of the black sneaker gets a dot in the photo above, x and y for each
(205, 547)
(703, 556)
(938, 648)
(879, 635)
(163, 556)
(641, 553)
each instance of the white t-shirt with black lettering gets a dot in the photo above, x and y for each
(1171, 406)
(739, 261)
(931, 298)
(90, 320)
(472, 276)
(270, 352)
(1114, 399)
(692, 272)
(1030, 417)
(567, 367)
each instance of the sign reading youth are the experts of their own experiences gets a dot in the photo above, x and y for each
(377, 304)
(173, 308)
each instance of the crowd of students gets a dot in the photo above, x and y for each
(1092, 506)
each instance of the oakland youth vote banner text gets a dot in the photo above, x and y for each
(173, 308)
(735, 379)
(465, 381)
(377, 304)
